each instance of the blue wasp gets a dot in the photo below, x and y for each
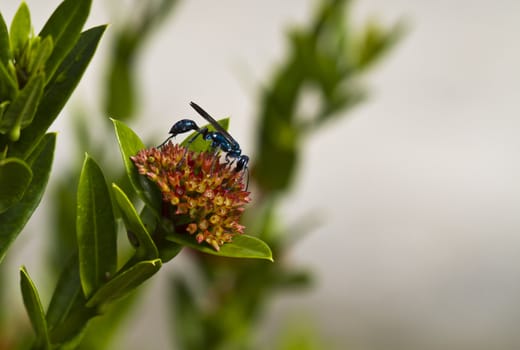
(220, 138)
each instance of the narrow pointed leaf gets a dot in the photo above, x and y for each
(243, 246)
(5, 48)
(21, 111)
(15, 178)
(42, 55)
(64, 26)
(14, 219)
(374, 42)
(3, 108)
(65, 294)
(33, 99)
(96, 229)
(20, 29)
(129, 145)
(59, 88)
(145, 246)
(8, 85)
(125, 282)
(34, 310)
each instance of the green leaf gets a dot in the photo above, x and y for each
(129, 145)
(42, 54)
(21, 111)
(125, 282)
(5, 48)
(20, 29)
(34, 310)
(13, 220)
(3, 107)
(65, 294)
(96, 229)
(144, 244)
(374, 42)
(64, 26)
(59, 89)
(168, 250)
(8, 84)
(243, 246)
(15, 178)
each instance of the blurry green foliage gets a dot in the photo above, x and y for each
(222, 307)
(327, 56)
(121, 97)
(302, 336)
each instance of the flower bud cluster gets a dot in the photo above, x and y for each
(207, 196)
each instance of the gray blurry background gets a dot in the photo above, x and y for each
(417, 192)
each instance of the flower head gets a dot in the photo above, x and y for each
(207, 196)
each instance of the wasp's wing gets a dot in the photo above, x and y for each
(213, 122)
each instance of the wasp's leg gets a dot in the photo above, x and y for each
(199, 132)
